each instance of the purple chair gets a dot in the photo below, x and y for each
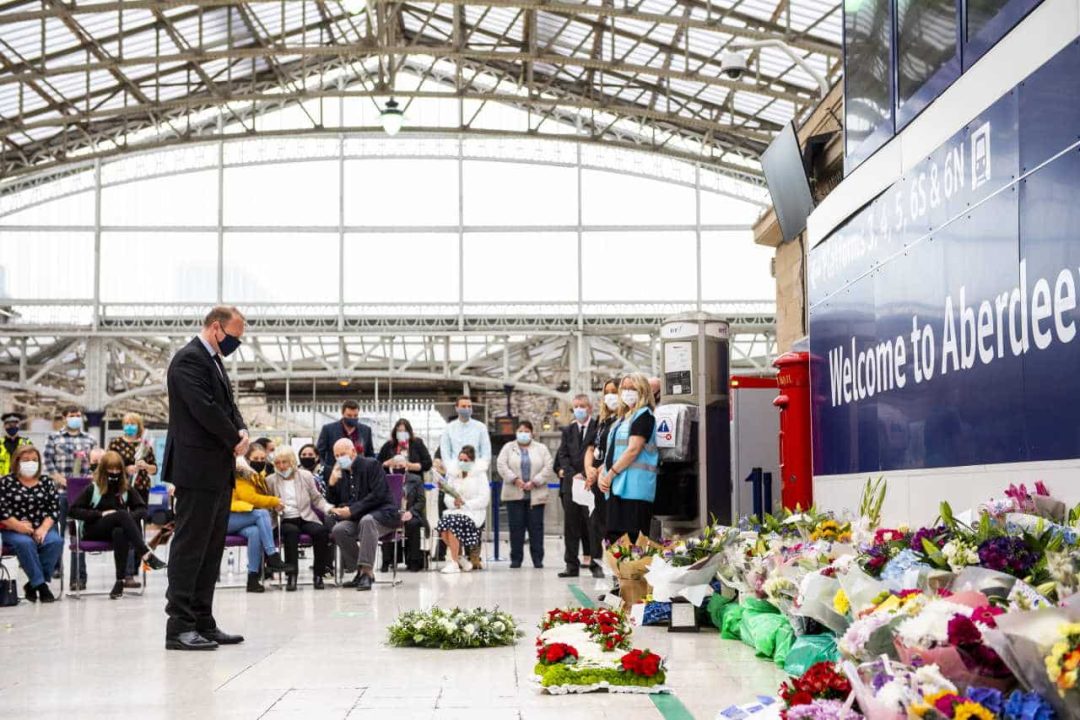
(75, 487)
(396, 484)
(231, 542)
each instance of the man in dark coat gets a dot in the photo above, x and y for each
(363, 509)
(349, 426)
(206, 433)
(570, 463)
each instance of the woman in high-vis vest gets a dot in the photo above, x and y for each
(629, 475)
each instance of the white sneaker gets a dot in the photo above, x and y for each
(450, 569)
(466, 566)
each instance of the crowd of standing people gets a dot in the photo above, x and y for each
(331, 494)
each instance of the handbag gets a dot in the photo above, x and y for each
(9, 588)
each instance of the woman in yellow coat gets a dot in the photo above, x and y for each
(252, 504)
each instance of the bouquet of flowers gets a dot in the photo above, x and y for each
(817, 600)
(453, 628)
(979, 703)
(821, 710)
(629, 561)
(871, 634)
(672, 575)
(822, 681)
(885, 690)
(886, 544)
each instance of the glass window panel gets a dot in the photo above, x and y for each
(524, 267)
(154, 201)
(980, 13)
(639, 266)
(403, 267)
(401, 192)
(281, 267)
(719, 209)
(503, 193)
(160, 267)
(302, 193)
(867, 85)
(75, 209)
(734, 267)
(45, 265)
(604, 200)
(926, 41)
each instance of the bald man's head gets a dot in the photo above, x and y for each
(344, 448)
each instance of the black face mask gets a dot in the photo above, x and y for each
(115, 478)
(12, 431)
(258, 465)
(229, 344)
(308, 463)
(93, 468)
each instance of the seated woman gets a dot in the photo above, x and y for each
(300, 498)
(250, 516)
(460, 525)
(111, 510)
(28, 512)
(309, 460)
(407, 454)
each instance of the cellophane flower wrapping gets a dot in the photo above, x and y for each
(1024, 639)
(690, 582)
(861, 589)
(629, 562)
(815, 601)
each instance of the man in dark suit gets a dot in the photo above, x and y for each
(570, 463)
(206, 433)
(349, 426)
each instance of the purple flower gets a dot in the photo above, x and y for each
(1008, 555)
(931, 534)
(825, 710)
(880, 680)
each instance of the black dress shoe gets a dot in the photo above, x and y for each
(352, 583)
(30, 591)
(318, 583)
(569, 573)
(45, 594)
(365, 582)
(515, 566)
(219, 636)
(189, 640)
(290, 585)
(117, 591)
(596, 570)
(153, 562)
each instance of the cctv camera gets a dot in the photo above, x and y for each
(733, 65)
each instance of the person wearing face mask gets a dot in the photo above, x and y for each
(111, 511)
(270, 447)
(309, 460)
(404, 453)
(594, 457)
(206, 434)
(249, 516)
(348, 427)
(526, 467)
(300, 499)
(67, 453)
(577, 437)
(139, 465)
(631, 461)
(11, 440)
(459, 527)
(28, 511)
(363, 511)
(465, 431)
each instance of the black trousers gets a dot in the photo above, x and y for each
(598, 523)
(579, 530)
(292, 529)
(628, 517)
(525, 517)
(202, 518)
(125, 534)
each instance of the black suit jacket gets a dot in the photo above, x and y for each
(364, 490)
(570, 458)
(330, 434)
(204, 423)
(418, 453)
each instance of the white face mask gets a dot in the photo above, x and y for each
(612, 401)
(630, 398)
(286, 473)
(402, 436)
(29, 468)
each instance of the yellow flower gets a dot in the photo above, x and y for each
(841, 603)
(932, 699)
(920, 710)
(971, 711)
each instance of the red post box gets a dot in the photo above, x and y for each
(796, 469)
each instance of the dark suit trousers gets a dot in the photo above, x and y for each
(202, 518)
(581, 529)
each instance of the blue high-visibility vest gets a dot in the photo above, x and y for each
(637, 482)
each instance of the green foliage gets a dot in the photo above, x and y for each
(453, 628)
(557, 675)
(873, 499)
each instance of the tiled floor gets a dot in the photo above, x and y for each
(323, 655)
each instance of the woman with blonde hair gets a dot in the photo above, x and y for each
(111, 511)
(628, 477)
(140, 465)
(252, 503)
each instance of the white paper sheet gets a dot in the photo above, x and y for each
(581, 495)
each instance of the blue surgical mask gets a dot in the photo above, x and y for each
(581, 414)
(12, 431)
(74, 423)
(524, 438)
(351, 422)
(344, 462)
(464, 413)
(131, 430)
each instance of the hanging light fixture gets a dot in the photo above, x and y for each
(392, 118)
(353, 6)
